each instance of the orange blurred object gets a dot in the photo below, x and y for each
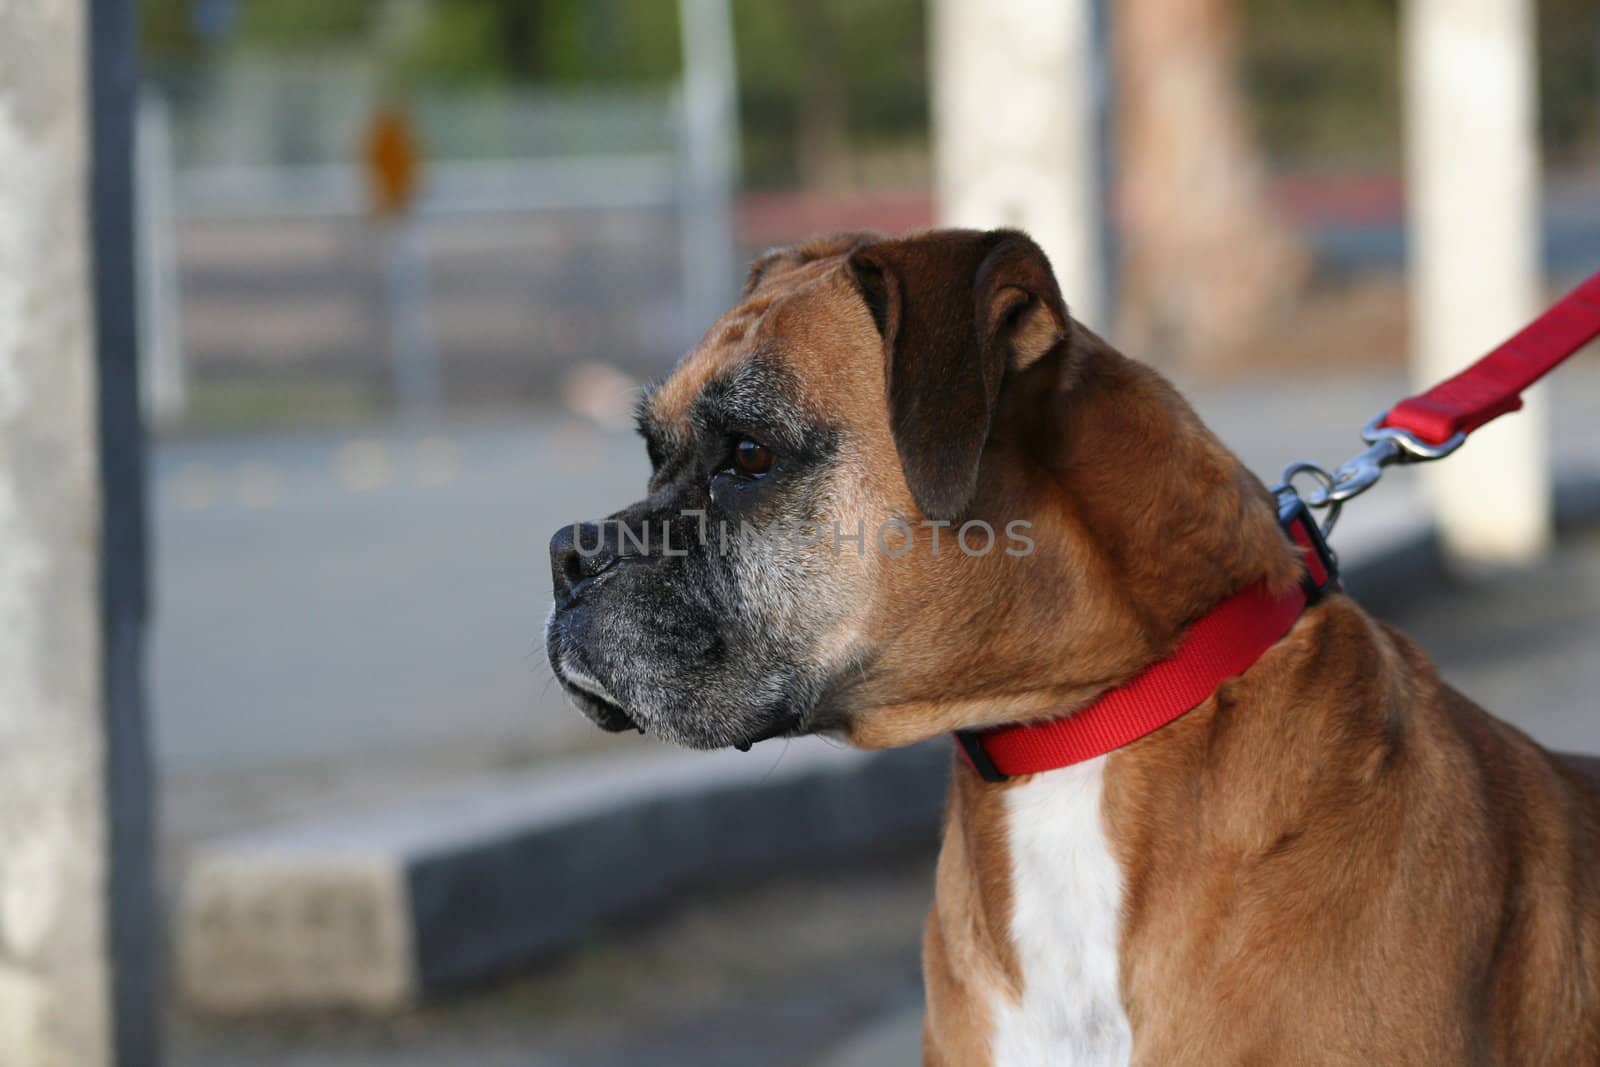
(393, 159)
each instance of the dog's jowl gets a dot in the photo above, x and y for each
(897, 492)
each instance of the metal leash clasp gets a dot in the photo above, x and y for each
(1387, 446)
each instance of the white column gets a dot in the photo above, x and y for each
(1015, 140)
(54, 841)
(1472, 185)
(711, 162)
(163, 373)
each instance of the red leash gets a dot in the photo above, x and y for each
(1227, 640)
(1436, 423)
(1493, 386)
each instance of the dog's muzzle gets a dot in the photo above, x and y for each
(575, 567)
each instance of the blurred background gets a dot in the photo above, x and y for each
(403, 264)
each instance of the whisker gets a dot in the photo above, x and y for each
(775, 763)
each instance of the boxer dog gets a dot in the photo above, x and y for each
(1333, 858)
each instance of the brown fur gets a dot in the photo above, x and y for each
(1339, 859)
(1335, 859)
(967, 954)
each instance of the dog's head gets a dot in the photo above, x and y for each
(896, 490)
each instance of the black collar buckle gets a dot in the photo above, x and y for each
(1321, 565)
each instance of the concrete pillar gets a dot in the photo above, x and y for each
(64, 897)
(1472, 184)
(164, 378)
(54, 972)
(1016, 138)
(710, 162)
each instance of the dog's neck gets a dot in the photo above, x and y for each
(1145, 523)
(1174, 519)
(1051, 865)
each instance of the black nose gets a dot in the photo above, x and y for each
(578, 553)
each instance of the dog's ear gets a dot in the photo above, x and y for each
(957, 310)
(776, 262)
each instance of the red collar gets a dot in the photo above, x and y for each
(1236, 633)
(1225, 642)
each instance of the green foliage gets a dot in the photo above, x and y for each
(165, 31)
(859, 63)
(863, 63)
(1324, 80)
(852, 74)
(167, 26)
(1569, 75)
(287, 24)
(457, 46)
(559, 42)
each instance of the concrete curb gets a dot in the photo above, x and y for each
(377, 911)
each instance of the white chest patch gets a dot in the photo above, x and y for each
(1066, 893)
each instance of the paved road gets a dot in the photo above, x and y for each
(347, 615)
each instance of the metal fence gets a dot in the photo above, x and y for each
(550, 229)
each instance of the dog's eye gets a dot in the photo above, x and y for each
(752, 458)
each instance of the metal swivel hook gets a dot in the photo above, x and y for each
(1387, 445)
